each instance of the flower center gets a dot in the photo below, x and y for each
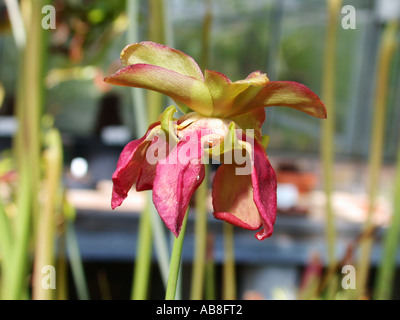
(212, 130)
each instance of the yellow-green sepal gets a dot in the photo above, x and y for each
(168, 124)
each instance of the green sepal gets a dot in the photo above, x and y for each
(167, 124)
(231, 142)
(265, 141)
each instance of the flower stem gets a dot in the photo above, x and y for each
(45, 237)
(229, 274)
(387, 49)
(143, 257)
(62, 269)
(160, 243)
(137, 94)
(200, 240)
(144, 244)
(328, 126)
(199, 262)
(27, 144)
(386, 270)
(6, 241)
(156, 33)
(78, 272)
(206, 36)
(176, 261)
(14, 281)
(210, 270)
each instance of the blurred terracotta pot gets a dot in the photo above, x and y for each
(305, 181)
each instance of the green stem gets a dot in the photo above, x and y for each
(33, 98)
(6, 239)
(104, 285)
(387, 49)
(176, 261)
(157, 34)
(154, 107)
(199, 263)
(78, 272)
(210, 289)
(144, 244)
(15, 281)
(160, 243)
(161, 31)
(328, 126)
(11, 282)
(62, 272)
(137, 94)
(386, 270)
(229, 273)
(44, 249)
(157, 29)
(206, 37)
(28, 145)
(157, 21)
(200, 240)
(143, 257)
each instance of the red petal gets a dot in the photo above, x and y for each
(233, 198)
(146, 178)
(148, 172)
(248, 201)
(128, 168)
(264, 183)
(175, 182)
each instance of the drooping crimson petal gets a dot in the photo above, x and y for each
(146, 177)
(176, 179)
(148, 171)
(264, 184)
(232, 198)
(248, 201)
(283, 93)
(128, 168)
(188, 90)
(156, 54)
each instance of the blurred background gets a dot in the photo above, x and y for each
(336, 182)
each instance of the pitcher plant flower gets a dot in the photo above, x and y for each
(222, 119)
